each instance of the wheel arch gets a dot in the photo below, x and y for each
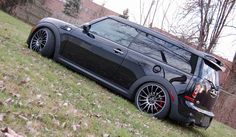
(55, 32)
(157, 79)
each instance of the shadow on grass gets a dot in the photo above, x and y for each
(184, 128)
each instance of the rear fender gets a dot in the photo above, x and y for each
(165, 83)
(173, 114)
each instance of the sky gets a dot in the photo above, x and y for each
(226, 47)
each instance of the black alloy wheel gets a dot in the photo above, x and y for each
(153, 99)
(43, 42)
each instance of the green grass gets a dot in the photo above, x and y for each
(49, 100)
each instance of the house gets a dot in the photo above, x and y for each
(32, 13)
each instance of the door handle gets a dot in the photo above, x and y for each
(118, 51)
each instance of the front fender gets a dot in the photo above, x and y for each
(55, 31)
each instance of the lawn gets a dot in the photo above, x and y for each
(39, 97)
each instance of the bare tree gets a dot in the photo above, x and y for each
(156, 6)
(154, 14)
(206, 20)
(149, 12)
(224, 9)
(165, 11)
(141, 10)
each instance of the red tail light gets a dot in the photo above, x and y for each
(198, 89)
(189, 99)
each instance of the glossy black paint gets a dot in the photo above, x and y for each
(93, 54)
(123, 69)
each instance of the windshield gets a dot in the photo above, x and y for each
(210, 74)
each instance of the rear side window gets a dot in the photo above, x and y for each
(114, 31)
(159, 49)
(179, 51)
(177, 62)
(182, 59)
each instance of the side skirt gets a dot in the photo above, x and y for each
(92, 76)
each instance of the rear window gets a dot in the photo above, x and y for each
(209, 73)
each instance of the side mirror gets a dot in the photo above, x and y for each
(86, 28)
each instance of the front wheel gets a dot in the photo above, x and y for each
(153, 99)
(43, 42)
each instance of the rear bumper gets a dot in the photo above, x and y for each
(192, 106)
(199, 116)
(187, 113)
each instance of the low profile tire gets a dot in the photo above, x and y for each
(153, 99)
(43, 42)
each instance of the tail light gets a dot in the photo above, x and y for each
(199, 88)
(189, 99)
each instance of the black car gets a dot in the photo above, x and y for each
(163, 76)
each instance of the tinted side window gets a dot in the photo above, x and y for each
(114, 31)
(146, 46)
(175, 49)
(177, 62)
(176, 56)
(158, 49)
(179, 51)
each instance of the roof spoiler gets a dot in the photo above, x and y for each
(215, 63)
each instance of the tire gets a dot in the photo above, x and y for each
(153, 99)
(43, 42)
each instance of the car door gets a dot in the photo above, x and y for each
(101, 50)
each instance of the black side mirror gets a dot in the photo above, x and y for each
(86, 28)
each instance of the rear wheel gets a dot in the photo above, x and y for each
(153, 98)
(42, 42)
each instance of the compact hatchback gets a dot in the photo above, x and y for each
(163, 76)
